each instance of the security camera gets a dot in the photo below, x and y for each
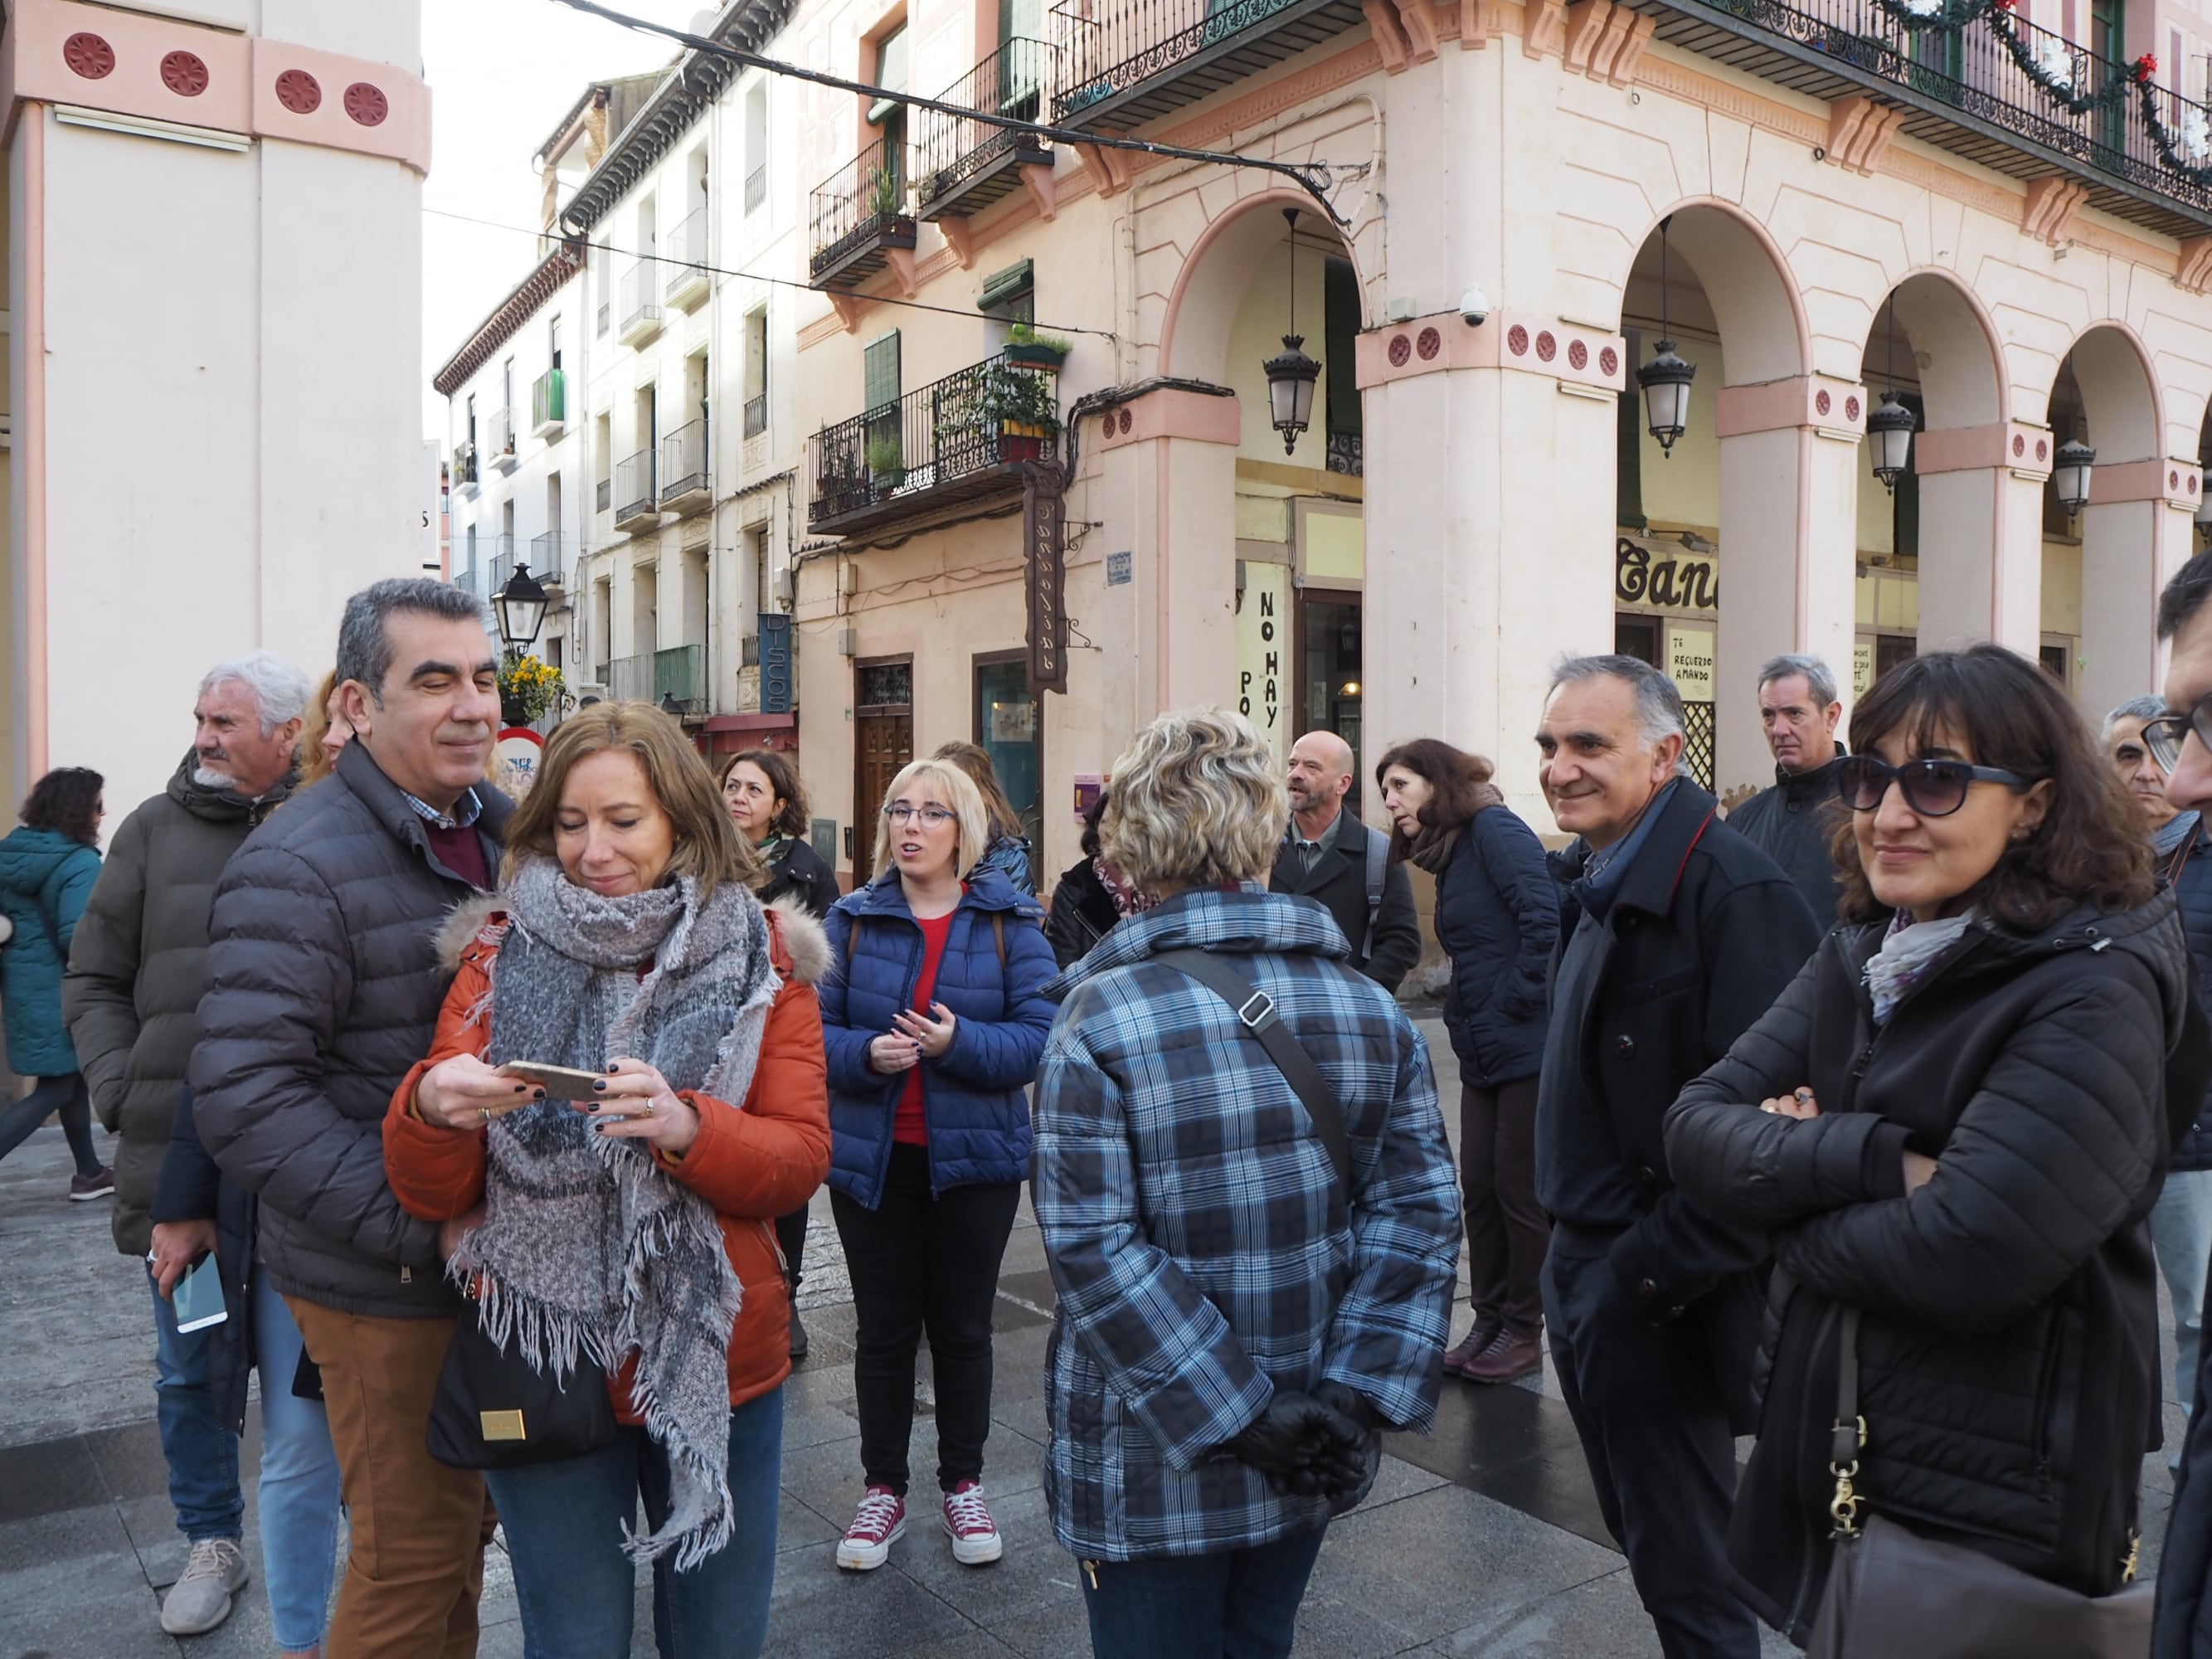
(1473, 307)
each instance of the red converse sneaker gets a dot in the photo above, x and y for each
(975, 1541)
(879, 1522)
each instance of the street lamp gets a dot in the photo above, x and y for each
(1666, 379)
(521, 607)
(1291, 373)
(1891, 424)
(2070, 476)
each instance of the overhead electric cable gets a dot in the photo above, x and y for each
(1317, 178)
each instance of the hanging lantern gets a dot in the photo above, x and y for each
(1666, 379)
(2070, 476)
(2205, 505)
(1891, 424)
(1291, 373)
(521, 607)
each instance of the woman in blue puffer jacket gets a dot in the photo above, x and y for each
(47, 866)
(934, 1016)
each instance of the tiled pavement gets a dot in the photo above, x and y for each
(1482, 1538)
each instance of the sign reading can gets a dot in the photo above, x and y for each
(1663, 580)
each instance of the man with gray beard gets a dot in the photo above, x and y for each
(137, 966)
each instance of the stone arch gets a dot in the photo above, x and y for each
(2119, 390)
(1210, 286)
(1963, 382)
(1765, 335)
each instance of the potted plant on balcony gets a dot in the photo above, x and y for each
(886, 463)
(882, 195)
(527, 687)
(1025, 345)
(1020, 406)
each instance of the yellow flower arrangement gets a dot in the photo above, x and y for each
(528, 686)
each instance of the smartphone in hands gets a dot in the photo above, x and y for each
(198, 1297)
(559, 1082)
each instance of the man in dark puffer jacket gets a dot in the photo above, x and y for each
(324, 989)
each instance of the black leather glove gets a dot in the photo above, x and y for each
(1347, 1402)
(1283, 1440)
(1348, 1457)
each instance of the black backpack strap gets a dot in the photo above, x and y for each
(1255, 1011)
(1378, 859)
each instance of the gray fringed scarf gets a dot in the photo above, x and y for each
(587, 1244)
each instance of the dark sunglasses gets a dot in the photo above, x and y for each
(1933, 788)
(2164, 736)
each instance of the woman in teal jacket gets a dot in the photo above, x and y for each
(47, 866)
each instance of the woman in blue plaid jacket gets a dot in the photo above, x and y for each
(1233, 1327)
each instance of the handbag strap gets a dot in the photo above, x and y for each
(1848, 1434)
(1255, 1012)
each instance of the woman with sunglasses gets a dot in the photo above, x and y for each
(934, 1016)
(1953, 1124)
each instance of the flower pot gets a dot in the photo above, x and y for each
(512, 711)
(1046, 358)
(1017, 444)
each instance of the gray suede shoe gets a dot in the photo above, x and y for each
(200, 1600)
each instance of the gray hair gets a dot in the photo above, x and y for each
(1658, 702)
(2134, 708)
(364, 644)
(1819, 679)
(280, 688)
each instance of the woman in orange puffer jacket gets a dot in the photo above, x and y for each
(635, 1227)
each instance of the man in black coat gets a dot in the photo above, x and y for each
(1675, 935)
(1328, 855)
(324, 988)
(1795, 823)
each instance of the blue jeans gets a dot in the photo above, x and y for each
(1243, 1604)
(575, 1584)
(2181, 1232)
(202, 1454)
(298, 1493)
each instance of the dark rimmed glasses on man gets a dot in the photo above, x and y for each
(1933, 788)
(2164, 736)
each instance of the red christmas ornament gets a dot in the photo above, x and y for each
(2146, 66)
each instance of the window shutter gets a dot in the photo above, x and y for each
(1001, 286)
(879, 369)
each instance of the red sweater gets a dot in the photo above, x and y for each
(907, 1124)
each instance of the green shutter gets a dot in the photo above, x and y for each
(1001, 286)
(1340, 330)
(879, 371)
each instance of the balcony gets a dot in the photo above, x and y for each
(965, 165)
(502, 564)
(640, 303)
(686, 279)
(679, 672)
(2134, 145)
(755, 190)
(545, 562)
(1124, 63)
(603, 495)
(683, 484)
(951, 444)
(462, 479)
(859, 215)
(757, 415)
(548, 404)
(500, 445)
(634, 503)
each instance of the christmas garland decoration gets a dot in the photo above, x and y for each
(2054, 69)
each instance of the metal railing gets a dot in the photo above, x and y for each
(641, 295)
(464, 464)
(500, 441)
(946, 430)
(679, 671)
(757, 415)
(545, 557)
(687, 254)
(548, 399)
(502, 565)
(603, 495)
(756, 188)
(684, 460)
(633, 490)
(857, 202)
(2097, 113)
(950, 149)
(1108, 47)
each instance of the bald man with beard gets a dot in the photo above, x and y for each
(1328, 855)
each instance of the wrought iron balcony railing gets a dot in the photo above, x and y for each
(951, 441)
(634, 487)
(2019, 99)
(756, 188)
(757, 415)
(1123, 63)
(641, 302)
(683, 462)
(858, 212)
(679, 671)
(503, 564)
(545, 561)
(685, 265)
(963, 164)
(464, 464)
(500, 442)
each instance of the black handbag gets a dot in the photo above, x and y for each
(494, 1410)
(1255, 1012)
(1891, 1591)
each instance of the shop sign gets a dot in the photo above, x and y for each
(1263, 649)
(1861, 667)
(1044, 563)
(519, 750)
(1689, 662)
(1664, 581)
